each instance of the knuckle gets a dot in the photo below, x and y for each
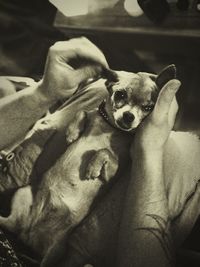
(57, 45)
(53, 48)
(84, 39)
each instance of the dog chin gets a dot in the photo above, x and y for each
(123, 127)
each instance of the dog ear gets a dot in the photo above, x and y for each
(111, 78)
(165, 75)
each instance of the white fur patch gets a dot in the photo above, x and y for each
(136, 111)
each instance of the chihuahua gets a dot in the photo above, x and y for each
(132, 96)
(98, 150)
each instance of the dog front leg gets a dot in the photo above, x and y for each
(76, 127)
(103, 165)
(20, 209)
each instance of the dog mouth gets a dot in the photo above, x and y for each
(123, 126)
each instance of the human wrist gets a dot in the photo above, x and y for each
(43, 93)
(148, 166)
(146, 152)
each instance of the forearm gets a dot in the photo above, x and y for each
(144, 238)
(19, 112)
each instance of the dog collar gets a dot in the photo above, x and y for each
(103, 113)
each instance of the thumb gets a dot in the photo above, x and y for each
(172, 112)
(165, 99)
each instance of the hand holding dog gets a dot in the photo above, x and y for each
(60, 78)
(146, 193)
(153, 133)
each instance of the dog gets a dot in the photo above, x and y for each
(98, 151)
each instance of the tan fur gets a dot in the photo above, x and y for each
(139, 88)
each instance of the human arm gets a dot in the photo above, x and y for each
(21, 110)
(144, 238)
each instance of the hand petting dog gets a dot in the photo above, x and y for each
(68, 64)
(61, 79)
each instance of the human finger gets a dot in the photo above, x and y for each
(78, 48)
(90, 51)
(165, 99)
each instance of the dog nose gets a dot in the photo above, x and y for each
(128, 117)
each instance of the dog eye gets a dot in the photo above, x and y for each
(147, 108)
(120, 95)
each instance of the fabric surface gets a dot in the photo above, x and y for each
(8, 256)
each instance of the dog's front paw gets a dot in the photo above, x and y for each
(76, 127)
(103, 165)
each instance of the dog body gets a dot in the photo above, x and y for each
(99, 148)
(65, 194)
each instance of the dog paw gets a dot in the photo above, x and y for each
(76, 127)
(103, 165)
(93, 171)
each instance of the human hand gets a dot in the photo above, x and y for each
(154, 131)
(60, 79)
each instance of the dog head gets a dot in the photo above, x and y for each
(132, 96)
